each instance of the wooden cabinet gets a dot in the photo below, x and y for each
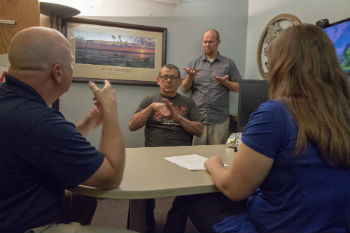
(25, 13)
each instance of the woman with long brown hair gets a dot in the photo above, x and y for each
(306, 77)
(293, 166)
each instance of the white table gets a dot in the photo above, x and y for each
(148, 175)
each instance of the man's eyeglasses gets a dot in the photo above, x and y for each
(171, 77)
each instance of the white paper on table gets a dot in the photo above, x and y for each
(192, 162)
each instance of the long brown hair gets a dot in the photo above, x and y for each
(305, 74)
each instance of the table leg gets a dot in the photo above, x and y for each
(137, 211)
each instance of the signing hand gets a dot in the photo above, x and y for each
(161, 108)
(173, 113)
(212, 162)
(93, 119)
(220, 80)
(95, 116)
(105, 96)
(189, 71)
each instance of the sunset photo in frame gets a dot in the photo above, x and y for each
(120, 52)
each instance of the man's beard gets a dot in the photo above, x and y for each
(208, 52)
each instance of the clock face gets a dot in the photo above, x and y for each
(275, 26)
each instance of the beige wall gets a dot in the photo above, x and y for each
(185, 22)
(308, 11)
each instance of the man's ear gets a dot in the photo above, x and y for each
(56, 72)
(158, 81)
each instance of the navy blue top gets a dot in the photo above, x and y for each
(301, 193)
(41, 154)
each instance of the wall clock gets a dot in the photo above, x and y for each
(275, 26)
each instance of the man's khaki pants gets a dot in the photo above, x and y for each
(213, 134)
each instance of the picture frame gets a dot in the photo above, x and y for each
(119, 52)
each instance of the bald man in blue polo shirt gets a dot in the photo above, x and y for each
(41, 153)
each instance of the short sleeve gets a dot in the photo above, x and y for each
(144, 104)
(235, 76)
(266, 130)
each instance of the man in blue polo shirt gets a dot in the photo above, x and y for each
(41, 153)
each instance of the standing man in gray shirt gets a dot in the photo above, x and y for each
(211, 77)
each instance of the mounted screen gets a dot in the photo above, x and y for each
(339, 33)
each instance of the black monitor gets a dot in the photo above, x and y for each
(252, 93)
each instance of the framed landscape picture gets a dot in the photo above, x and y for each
(120, 52)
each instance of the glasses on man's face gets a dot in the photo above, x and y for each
(171, 77)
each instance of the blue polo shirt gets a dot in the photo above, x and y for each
(41, 155)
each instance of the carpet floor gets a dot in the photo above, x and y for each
(114, 213)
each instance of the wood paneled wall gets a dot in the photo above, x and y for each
(25, 13)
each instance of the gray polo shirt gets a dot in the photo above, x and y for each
(212, 98)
